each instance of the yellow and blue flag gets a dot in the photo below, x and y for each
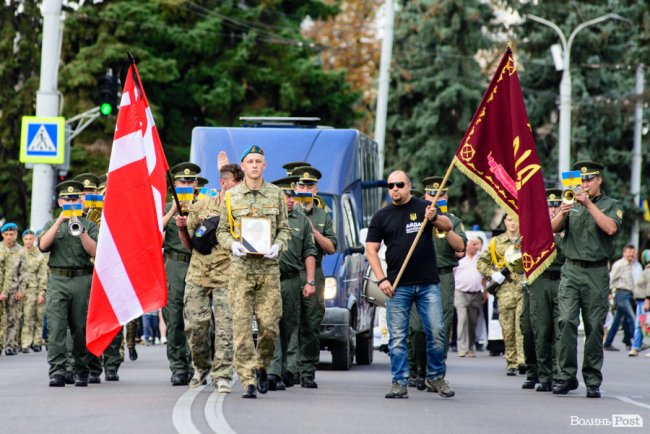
(305, 197)
(442, 205)
(185, 193)
(206, 192)
(72, 210)
(94, 201)
(571, 178)
(646, 210)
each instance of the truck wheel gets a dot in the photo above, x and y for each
(364, 349)
(342, 355)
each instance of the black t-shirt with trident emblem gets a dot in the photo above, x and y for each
(397, 226)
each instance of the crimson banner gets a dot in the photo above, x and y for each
(498, 153)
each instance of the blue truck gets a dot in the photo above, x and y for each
(348, 161)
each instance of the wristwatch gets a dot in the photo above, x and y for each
(310, 282)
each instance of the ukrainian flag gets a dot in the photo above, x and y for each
(571, 178)
(185, 193)
(72, 210)
(304, 197)
(206, 192)
(442, 205)
(94, 201)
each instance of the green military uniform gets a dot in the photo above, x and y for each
(112, 357)
(254, 285)
(509, 298)
(292, 278)
(68, 292)
(35, 285)
(177, 260)
(584, 287)
(312, 309)
(446, 260)
(14, 272)
(207, 281)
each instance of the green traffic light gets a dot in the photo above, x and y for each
(105, 109)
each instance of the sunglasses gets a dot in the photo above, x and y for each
(392, 185)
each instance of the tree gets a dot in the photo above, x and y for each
(20, 35)
(436, 86)
(204, 63)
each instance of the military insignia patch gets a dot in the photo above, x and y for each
(186, 171)
(583, 169)
(413, 216)
(551, 196)
(436, 185)
(86, 182)
(619, 213)
(70, 189)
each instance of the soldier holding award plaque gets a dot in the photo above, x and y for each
(255, 228)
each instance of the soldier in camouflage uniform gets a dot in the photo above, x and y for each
(207, 283)
(313, 308)
(254, 286)
(34, 301)
(544, 311)
(589, 227)
(448, 244)
(509, 296)
(68, 288)
(12, 290)
(177, 261)
(296, 262)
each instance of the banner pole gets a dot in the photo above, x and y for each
(424, 223)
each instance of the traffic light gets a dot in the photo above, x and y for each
(108, 93)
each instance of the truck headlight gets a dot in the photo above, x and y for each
(330, 288)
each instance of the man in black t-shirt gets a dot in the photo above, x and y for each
(397, 226)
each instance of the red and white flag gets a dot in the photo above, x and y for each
(129, 277)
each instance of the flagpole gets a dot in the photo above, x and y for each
(424, 223)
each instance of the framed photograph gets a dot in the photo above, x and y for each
(256, 235)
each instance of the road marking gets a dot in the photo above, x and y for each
(213, 411)
(182, 413)
(633, 402)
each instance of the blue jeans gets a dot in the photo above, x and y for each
(398, 308)
(151, 323)
(623, 312)
(637, 343)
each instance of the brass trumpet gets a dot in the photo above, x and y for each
(569, 195)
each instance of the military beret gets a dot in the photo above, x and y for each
(289, 167)
(89, 180)
(287, 184)
(27, 232)
(588, 169)
(433, 183)
(307, 175)
(9, 227)
(645, 257)
(69, 188)
(188, 171)
(251, 150)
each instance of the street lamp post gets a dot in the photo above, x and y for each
(564, 154)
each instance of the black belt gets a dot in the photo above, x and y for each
(71, 272)
(552, 275)
(587, 264)
(623, 289)
(445, 270)
(289, 275)
(182, 257)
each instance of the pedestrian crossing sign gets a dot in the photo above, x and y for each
(42, 140)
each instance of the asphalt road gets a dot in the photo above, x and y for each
(486, 401)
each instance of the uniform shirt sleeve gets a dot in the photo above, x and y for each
(282, 232)
(46, 228)
(41, 275)
(459, 229)
(224, 237)
(92, 230)
(374, 230)
(615, 212)
(484, 263)
(308, 243)
(23, 272)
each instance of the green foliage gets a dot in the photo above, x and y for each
(435, 88)
(204, 63)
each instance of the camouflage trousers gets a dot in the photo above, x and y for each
(510, 308)
(197, 314)
(12, 316)
(29, 333)
(250, 294)
(131, 330)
